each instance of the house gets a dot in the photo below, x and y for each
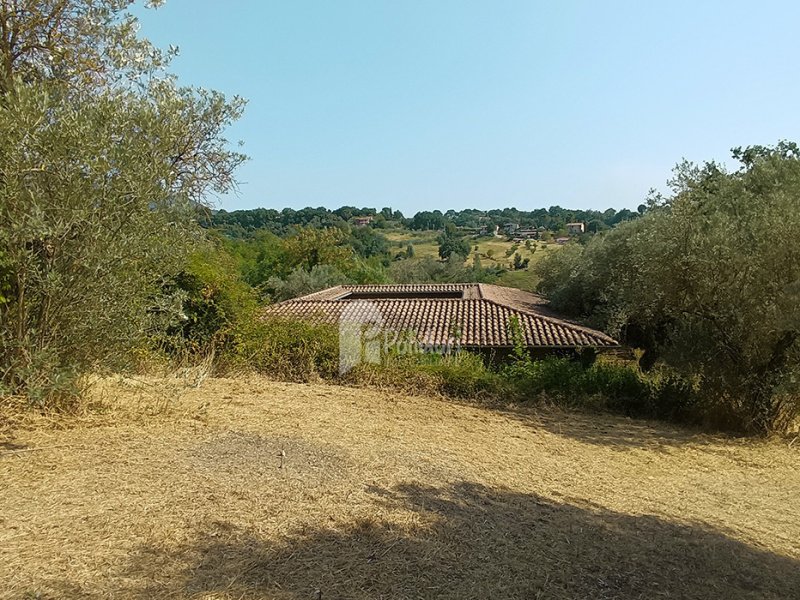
(562, 240)
(447, 317)
(362, 221)
(510, 228)
(528, 233)
(576, 228)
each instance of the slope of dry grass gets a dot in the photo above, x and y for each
(257, 489)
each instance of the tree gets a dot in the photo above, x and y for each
(105, 167)
(450, 243)
(677, 282)
(427, 220)
(310, 247)
(85, 44)
(367, 242)
(596, 226)
(301, 281)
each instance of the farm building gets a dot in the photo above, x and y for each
(528, 233)
(443, 317)
(576, 228)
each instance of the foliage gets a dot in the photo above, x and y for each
(310, 247)
(291, 350)
(705, 281)
(519, 263)
(103, 166)
(244, 224)
(430, 270)
(366, 242)
(427, 220)
(451, 243)
(85, 44)
(301, 282)
(216, 301)
(368, 270)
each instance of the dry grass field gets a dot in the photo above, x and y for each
(254, 489)
(492, 252)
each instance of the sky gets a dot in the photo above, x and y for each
(426, 104)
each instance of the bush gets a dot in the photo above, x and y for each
(693, 283)
(461, 375)
(621, 385)
(465, 375)
(285, 349)
(214, 302)
(557, 376)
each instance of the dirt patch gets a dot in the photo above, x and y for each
(246, 458)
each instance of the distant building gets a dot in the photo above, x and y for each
(362, 221)
(510, 228)
(576, 228)
(528, 233)
(562, 240)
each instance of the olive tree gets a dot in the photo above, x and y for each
(104, 164)
(722, 269)
(708, 280)
(81, 43)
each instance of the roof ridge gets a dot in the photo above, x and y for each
(549, 319)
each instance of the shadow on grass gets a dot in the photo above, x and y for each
(606, 429)
(467, 541)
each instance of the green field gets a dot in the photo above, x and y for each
(492, 252)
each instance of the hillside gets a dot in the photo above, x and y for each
(255, 489)
(493, 252)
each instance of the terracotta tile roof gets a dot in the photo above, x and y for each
(479, 317)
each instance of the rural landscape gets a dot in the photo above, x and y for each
(202, 400)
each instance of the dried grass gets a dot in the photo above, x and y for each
(246, 488)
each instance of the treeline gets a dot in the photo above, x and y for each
(707, 284)
(553, 219)
(242, 223)
(310, 258)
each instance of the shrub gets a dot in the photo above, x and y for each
(285, 349)
(693, 282)
(557, 376)
(461, 375)
(621, 385)
(465, 375)
(214, 301)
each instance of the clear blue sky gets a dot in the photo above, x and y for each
(443, 104)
